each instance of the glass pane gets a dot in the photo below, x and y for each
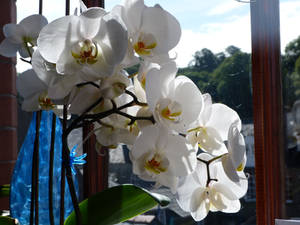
(51, 10)
(290, 48)
(214, 51)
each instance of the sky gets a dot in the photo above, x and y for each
(213, 24)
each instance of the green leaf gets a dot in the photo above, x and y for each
(5, 220)
(116, 205)
(4, 190)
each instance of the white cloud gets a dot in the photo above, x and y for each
(289, 22)
(233, 30)
(224, 7)
(216, 37)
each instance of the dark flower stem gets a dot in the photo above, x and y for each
(63, 171)
(67, 168)
(34, 205)
(51, 216)
(207, 163)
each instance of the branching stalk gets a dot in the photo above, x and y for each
(207, 163)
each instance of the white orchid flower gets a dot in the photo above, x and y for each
(162, 157)
(212, 126)
(235, 161)
(34, 93)
(115, 85)
(22, 37)
(144, 69)
(175, 102)
(58, 86)
(197, 196)
(116, 129)
(139, 81)
(82, 97)
(91, 44)
(153, 32)
(111, 133)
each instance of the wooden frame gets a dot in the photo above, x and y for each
(8, 108)
(268, 111)
(95, 174)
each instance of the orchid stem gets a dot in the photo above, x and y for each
(24, 60)
(63, 171)
(67, 168)
(51, 161)
(207, 163)
(34, 205)
(88, 83)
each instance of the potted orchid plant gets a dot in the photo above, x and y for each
(177, 136)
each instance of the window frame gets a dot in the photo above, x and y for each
(267, 110)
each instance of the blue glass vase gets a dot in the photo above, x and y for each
(20, 196)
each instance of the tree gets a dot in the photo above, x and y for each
(204, 60)
(290, 64)
(231, 50)
(220, 57)
(292, 53)
(232, 82)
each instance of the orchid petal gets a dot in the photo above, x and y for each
(198, 207)
(113, 39)
(229, 169)
(31, 103)
(79, 103)
(133, 14)
(236, 146)
(39, 65)
(157, 83)
(53, 37)
(225, 190)
(29, 84)
(186, 89)
(168, 180)
(207, 111)
(181, 155)
(90, 21)
(239, 188)
(221, 119)
(66, 64)
(9, 49)
(145, 141)
(14, 32)
(163, 26)
(63, 86)
(82, 6)
(33, 25)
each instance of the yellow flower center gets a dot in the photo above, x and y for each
(45, 102)
(240, 167)
(167, 114)
(145, 44)
(85, 52)
(119, 87)
(155, 164)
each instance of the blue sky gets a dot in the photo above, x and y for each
(213, 24)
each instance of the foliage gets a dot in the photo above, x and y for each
(116, 205)
(232, 81)
(291, 73)
(204, 60)
(223, 75)
(4, 190)
(5, 220)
